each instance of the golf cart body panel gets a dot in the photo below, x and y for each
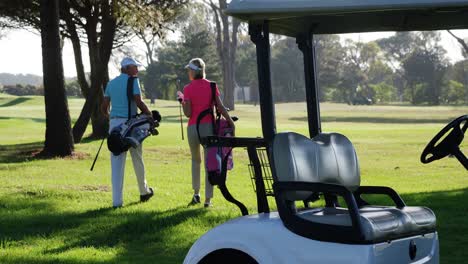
(265, 239)
(292, 18)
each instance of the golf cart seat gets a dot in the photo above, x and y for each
(328, 165)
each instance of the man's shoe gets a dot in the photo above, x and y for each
(146, 197)
(208, 205)
(195, 200)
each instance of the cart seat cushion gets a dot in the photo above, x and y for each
(379, 223)
(328, 158)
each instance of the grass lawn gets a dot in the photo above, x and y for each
(57, 211)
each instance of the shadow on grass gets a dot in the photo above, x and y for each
(90, 138)
(19, 152)
(16, 101)
(368, 119)
(156, 236)
(137, 236)
(168, 106)
(173, 119)
(35, 119)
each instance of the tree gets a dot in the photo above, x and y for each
(425, 68)
(226, 42)
(197, 40)
(396, 49)
(246, 67)
(454, 93)
(361, 67)
(58, 137)
(287, 71)
(464, 47)
(424, 73)
(108, 25)
(330, 54)
(103, 25)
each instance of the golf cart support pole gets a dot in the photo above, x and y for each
(306, 45)
(260, 35)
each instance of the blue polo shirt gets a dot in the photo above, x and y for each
(116, 90)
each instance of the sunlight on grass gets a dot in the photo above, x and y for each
(58, 211)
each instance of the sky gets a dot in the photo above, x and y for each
(20, 51)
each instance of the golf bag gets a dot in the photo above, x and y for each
(131, 133)
(218, 159)
(134, 130)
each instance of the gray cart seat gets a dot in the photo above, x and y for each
(332, 159)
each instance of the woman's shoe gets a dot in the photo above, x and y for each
(195, 200)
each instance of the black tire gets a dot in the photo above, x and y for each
(228, 256)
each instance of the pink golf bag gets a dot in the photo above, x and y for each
(218, 160)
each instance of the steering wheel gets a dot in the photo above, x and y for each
(440, 147)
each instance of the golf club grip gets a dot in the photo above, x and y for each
(97, 155)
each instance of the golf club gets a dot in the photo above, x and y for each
(180, 110)
(97, 154)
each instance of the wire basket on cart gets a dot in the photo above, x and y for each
(265, 170)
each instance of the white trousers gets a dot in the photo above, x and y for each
(118, 169)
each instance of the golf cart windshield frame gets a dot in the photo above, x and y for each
(303, 19)
(260, 35)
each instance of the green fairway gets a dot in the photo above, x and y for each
(57, 211)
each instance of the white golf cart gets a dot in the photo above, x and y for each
(294, 168)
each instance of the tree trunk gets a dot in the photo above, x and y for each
(58, 136)
(75, 40)
(100, 48)
(465, 82)
(226, 42)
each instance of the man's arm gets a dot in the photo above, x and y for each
(105, 107)
(141, 105)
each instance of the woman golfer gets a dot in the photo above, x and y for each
(195, 99)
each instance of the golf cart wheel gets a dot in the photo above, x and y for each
(227, 256)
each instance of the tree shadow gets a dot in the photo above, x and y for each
(35, 119)
(173, 119)
(139, 232)
(15, 101)
(20, 152)
(153, 236)
(89, 138)
(369, 119)
(169, 106)
(134, 232)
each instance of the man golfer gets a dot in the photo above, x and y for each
(116, 96)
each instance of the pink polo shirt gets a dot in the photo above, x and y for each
(199, 93)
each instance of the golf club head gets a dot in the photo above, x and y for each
(234, 118)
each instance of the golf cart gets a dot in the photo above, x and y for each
(306, 175)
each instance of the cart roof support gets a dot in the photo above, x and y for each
(260, 35)
(306, 45)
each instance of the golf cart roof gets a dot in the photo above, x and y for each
(291, 17)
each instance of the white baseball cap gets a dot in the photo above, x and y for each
(129, 61)
(192, 67)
